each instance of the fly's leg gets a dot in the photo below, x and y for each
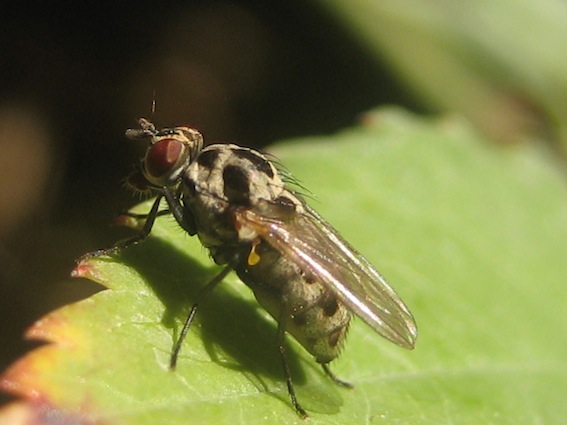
(144, 216)
(175, 208)
(334, 378)
(204, 292)
(150, 219)
(281, 346)
(185, 219)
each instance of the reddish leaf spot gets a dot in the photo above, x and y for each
(83, 269)
(129, 221)
(42, 412)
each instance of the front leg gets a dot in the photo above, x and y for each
(182, 215)
(150, 220)
(143, 216)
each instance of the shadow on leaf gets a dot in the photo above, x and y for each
(235, 332)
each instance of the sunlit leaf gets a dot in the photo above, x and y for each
(470, 235)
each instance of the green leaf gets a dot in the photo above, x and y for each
(470, 235)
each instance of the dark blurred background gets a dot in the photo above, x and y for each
(74, 77)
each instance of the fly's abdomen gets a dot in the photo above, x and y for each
(320, 326)
(313, 315)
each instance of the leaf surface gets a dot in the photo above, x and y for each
(471, 236)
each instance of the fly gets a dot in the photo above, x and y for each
(308, 278)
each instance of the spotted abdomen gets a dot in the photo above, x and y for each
(311, 313)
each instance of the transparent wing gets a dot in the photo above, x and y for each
(314, 245)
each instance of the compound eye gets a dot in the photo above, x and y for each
(163, 160)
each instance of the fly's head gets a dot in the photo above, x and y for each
(170, 152)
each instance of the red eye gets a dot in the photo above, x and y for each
(163, 156)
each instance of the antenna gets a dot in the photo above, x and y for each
(153, 104)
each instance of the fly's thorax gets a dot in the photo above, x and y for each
(221, 179)
(312, 314)
(234, 175)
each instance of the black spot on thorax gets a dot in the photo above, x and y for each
(261, 164)
(284, 200)
(208, 158)
(236, 185)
